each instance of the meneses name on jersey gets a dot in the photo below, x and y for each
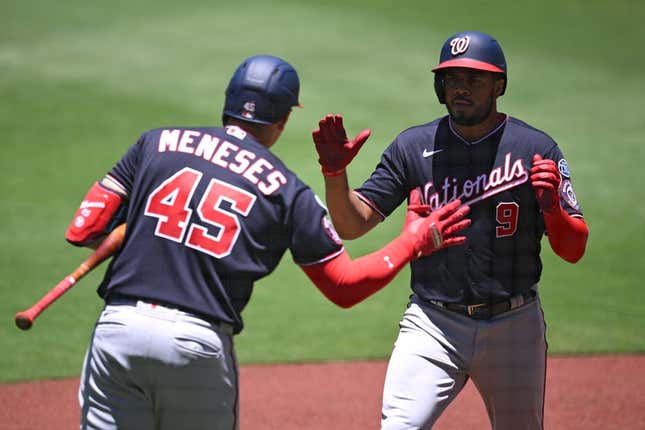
(223, 153)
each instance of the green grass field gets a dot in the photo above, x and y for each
(79, 81)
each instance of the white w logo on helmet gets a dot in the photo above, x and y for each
(459, 45)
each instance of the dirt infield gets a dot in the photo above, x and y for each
(600, 392)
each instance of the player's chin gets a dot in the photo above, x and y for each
(465, 115)
(462, 118)
(459, 112)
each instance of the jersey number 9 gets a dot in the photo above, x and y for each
(506, 216)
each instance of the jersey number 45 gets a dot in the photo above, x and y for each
(170, 204)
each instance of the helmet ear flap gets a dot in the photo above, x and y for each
(439, 87)
(503, 78)
(504, 87)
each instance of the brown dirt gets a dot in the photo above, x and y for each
(598, 392)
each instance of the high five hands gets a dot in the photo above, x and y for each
(335, 150)
(434, 230)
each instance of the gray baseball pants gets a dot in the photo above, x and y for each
(437, 350)
(151, 367)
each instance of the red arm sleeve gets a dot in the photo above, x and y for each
(567, 235)
(347, 282)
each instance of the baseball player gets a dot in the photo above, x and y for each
(475, 309)
(209, 211)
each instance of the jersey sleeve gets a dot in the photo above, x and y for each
(124, 170)
(568, 199)
(388, 185)
(312, 238)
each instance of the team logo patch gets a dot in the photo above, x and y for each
(79, 221)
(569, 195)
(330, 230)
(249, 110)
(459, 45)
(563, 167)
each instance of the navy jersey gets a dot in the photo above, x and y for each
(501, 256)
(210, 211)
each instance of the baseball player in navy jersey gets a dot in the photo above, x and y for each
(209, 211)
(474, 311)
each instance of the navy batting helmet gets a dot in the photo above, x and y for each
(472, 50)
(262, 90)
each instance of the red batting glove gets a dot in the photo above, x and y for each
(546, 179)
(335, 151)
(430, 231)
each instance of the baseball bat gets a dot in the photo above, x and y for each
(25, 319)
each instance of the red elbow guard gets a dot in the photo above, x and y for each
(92, 218)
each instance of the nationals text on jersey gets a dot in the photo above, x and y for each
(501, 178)
(223, 153)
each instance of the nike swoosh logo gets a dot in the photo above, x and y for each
(427, 153)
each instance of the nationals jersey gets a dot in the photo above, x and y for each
(501, 256)
(210, 211)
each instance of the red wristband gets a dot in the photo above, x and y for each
(333, 173)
